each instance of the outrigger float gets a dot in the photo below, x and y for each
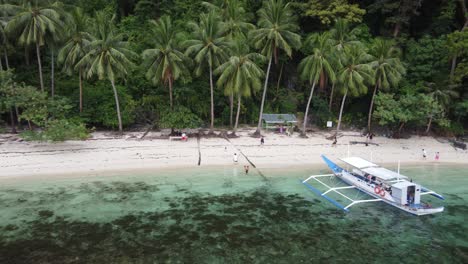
(381, 184)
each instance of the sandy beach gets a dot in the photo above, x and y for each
(106, 153)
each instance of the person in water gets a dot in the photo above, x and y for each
(246, 168)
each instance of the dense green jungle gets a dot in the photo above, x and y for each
(386, 66)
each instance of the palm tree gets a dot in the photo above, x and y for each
(354, 75)
(388, 69)
(166, 63)
(316, 66)
(31, 24)
(75, 47)
(276, 26)
(208, 46)
(240, 75)
(342, 35)
(441, 95)
(236, 26)
(107, 56)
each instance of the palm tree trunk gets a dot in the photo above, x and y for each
(12, 119)
(396, 30)
(238, 113)
(6, 58)
(81, 89)
(452, 68)
(1, 65)
(371, 106)
(307, 110)
(257, 132)
(52, 73)
(428, 128)
(38, 52)
(171, 101)
(117, 106)
(231, 108)
(400, 128)
(279, 80)
(341, 112)
(331, 97)
(212, 100)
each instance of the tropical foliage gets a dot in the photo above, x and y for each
(179, 64)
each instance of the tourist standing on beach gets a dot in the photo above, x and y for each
(235, 158)
(437, 156)
(424, 153)
(246, 168)
(262, 141)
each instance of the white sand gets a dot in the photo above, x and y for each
(103, 153)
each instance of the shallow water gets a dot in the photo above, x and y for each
(221, 215)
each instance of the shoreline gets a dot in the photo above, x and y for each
(102, 156)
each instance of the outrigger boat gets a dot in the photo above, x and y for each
(381, 184)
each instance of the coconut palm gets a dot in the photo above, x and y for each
(388, 69)
(107, 56)
(240, 75)
(276, 26)
(441, 95)
(75, 47)
(31, 24)
(236, 26)
(354, 76)
(316, 66)
(342, 35)
(166, 63)
(209, 48)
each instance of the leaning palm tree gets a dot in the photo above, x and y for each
(107, 56)
(316, 67)
(209, 48)
(388, 69)
(354, 76)
(240, 75)
(75, 47)
(166, 63)
(342, 35)
(31, 24)
(442, 95)
(276, 26)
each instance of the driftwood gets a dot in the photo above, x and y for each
(362, 142)
(458, 144)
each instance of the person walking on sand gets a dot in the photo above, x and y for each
(424, 153)
(235, 158)
(262, 141)
(437, 156)
(334, 142)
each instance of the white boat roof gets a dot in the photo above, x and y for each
(373, 169)
(359, 163)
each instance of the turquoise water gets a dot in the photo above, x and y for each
(221, 215)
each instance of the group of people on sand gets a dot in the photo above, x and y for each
(436, 155)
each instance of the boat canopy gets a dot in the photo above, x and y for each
(373, 169)
(359, 163)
